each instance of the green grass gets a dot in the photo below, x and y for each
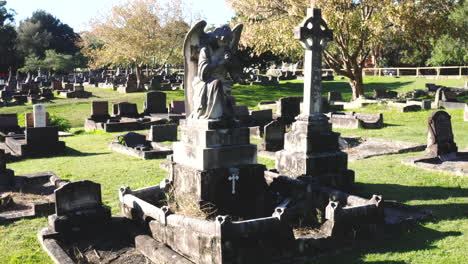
(442, 239)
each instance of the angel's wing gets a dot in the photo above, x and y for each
(191, 52)
(236, 34)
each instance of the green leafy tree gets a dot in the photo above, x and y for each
(32, 39)
(8, 56)
(33, 63)
(360, 28)
(452, 47)
(59, 62)
(42, 32)
(138, 32)
(63, 38)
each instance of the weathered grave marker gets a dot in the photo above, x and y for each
(78, 206)
(155, 103)
(440, 140)
(161, 133)
(274, 136)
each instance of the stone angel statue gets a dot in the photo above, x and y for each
(211, 67)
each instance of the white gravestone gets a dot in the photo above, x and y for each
(40, 115)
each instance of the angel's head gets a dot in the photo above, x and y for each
(221, 36)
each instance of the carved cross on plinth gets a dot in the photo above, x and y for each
(314, 35)
(233, 178)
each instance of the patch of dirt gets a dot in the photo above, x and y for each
(33, 194)
(114, 246)
(306, 232)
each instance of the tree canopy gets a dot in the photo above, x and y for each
(42, 31)
(7, 38)
(360, 27)
(138, 32)
(452, 47)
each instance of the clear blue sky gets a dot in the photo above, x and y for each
(76, 13)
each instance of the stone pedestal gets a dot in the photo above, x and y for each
(311, 149)
(214, 163)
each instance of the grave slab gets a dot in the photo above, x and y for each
(457, 166)
(363, 147)
(32, 196)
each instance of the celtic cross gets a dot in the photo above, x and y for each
(314, 34)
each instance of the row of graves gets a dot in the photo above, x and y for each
(444, 97)
(70, 90)
(38, 138)
(16, 91)
(129, 83)
(218, 205)
(125, 116)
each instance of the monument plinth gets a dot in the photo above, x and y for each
(311, 147)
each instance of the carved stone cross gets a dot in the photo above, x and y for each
(233, 178)
(314, 35)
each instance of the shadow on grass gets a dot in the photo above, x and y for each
(404, 193)
(390, 125)
(406, 239)
(69, 152)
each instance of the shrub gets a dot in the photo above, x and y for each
(62, 123)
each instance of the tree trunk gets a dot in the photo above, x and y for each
(357, 84)
(139, 76)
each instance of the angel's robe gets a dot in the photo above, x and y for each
(211, 86)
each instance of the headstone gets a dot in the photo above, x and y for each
(155, 82)
(126, 110)
(99, 109)
(40, 115)
(177, 107)
(78, 88)
(76, 196)
(155, 103)
(410, 108)
(289, 107)
(78, 207)
(161, 133)
(68, 86)
(448, 95)
(440, 140)
(241, 111)
(8, 121)
(334, 96)
(274, 136)
(57, 85)
(131, 84)
(431, 87)
(133, 140)
(262, 115)
(380, 93)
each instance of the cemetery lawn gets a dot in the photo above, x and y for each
(77, 110)
(441, 239)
